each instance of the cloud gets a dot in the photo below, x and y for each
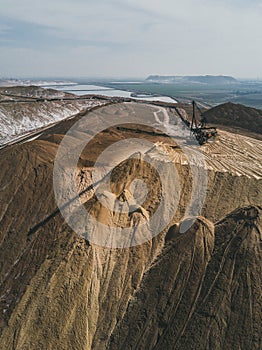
(86, 20)
(136, 37)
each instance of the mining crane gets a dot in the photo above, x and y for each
(199, 129)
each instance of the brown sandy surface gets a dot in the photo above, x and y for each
(195, 290)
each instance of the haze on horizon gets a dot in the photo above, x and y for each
(130, 38)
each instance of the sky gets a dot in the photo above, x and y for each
(130, 38)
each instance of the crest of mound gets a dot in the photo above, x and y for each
(128, 197)
(162, 308)
(228, 312)
(193, 300)
(236, 115)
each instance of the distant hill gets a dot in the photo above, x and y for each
(28, 82)
(201, 79)
(236, 115)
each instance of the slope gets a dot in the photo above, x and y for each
(197, 289)
(24, 109)
(236, 115)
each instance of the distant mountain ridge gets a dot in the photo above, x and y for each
(200, 79)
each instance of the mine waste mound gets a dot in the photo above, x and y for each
(236, 115)
(27, 108)
(200, 289)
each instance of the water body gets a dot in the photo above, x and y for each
(80, 90)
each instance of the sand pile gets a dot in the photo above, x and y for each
(197, 289)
